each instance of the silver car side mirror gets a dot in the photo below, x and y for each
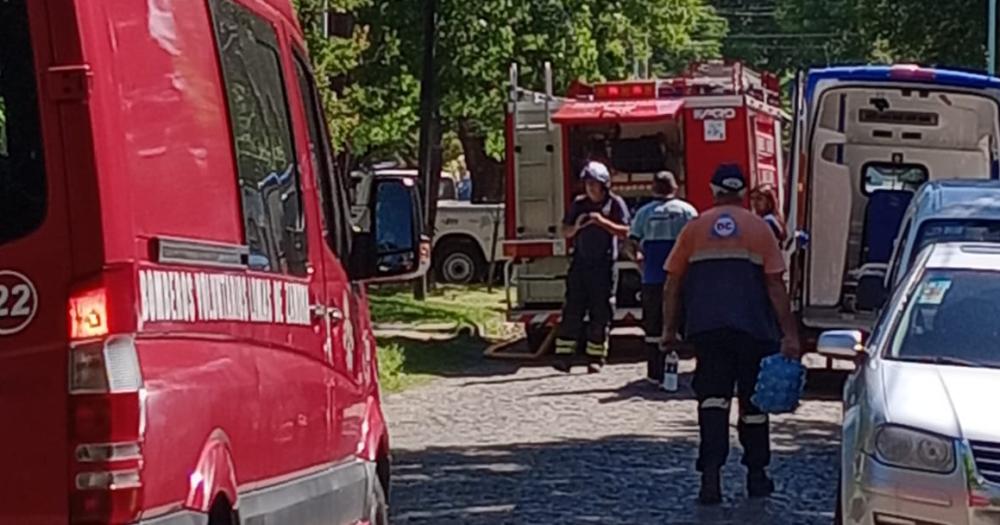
(841, 344)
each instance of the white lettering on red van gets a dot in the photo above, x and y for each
(189, 297)
(18, 302)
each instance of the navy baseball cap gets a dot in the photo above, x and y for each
(729, 178)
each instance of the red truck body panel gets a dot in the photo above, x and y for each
(247, 398)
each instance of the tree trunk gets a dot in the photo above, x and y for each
(486, 173)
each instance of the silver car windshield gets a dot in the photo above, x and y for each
(952, 318)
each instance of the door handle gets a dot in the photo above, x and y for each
(335, 314)
(321, 311)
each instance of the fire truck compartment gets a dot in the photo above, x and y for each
(871, 148)
(634, 151)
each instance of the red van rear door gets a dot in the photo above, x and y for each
(37, 99)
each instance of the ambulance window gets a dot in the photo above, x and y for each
(879, 176)
(265, 155)
(332, 193)
(22, 172)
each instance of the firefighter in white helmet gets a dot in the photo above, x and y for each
(595, 221)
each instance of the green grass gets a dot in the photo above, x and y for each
(404, 363)
(464, 306)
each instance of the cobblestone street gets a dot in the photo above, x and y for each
(533, 446)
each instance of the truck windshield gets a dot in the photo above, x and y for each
(22, 173)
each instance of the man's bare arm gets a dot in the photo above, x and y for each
(782, 304)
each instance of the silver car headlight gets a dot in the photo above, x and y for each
(915, 450)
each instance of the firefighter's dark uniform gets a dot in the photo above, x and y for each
(656, 227)
(723, 258)
(590, 279)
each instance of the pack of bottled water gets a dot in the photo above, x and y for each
(779, 385)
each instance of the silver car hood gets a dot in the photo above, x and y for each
(953, 401)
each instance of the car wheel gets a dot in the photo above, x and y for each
(459, 263)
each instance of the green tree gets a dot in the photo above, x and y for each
(584, 39)
(370, 102)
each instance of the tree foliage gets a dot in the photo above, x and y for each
(477, 41)
(787, 34)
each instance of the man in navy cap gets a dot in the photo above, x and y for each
(736, 311)
(594, 222)
(654, 231)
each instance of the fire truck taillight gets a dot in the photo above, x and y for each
(88, 314)
(106, 421)
(105, 367)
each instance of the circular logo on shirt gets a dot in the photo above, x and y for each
(725, 226)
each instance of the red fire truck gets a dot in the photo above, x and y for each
(715, 113)
(184, 327)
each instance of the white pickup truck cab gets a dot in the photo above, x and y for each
(464, 244)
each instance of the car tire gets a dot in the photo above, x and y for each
(458, 262)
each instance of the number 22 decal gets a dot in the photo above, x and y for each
(18, 302)
(21, 295)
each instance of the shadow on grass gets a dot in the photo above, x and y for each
(615, 480)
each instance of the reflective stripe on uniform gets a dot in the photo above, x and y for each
(718, 254)
(597, 349)
(653, 340)
(754, 419)
(715, 403)
(565, 346)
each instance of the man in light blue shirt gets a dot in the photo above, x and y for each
(653, 234)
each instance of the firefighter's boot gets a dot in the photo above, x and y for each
(565, 351)
(711, 488)
(759, 485)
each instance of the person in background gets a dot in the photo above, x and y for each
(736, 312)
(764, 201)
(654, 231)
(594, 222)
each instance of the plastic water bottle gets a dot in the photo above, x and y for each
(670, 364)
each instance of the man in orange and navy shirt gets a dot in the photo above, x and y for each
(727, 272)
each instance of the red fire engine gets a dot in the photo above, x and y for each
(713, 114)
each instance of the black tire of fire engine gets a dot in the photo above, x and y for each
(458, 262)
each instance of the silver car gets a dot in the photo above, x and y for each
(921, 429)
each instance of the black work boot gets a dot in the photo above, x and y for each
(563, 365)
(759, 485)
(595, 366)
(711, 488)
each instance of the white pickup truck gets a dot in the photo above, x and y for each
(463, 236)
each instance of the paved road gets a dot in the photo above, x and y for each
(532, 446)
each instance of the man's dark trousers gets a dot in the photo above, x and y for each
(588, 294)
(652, 324)
(729, 360)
